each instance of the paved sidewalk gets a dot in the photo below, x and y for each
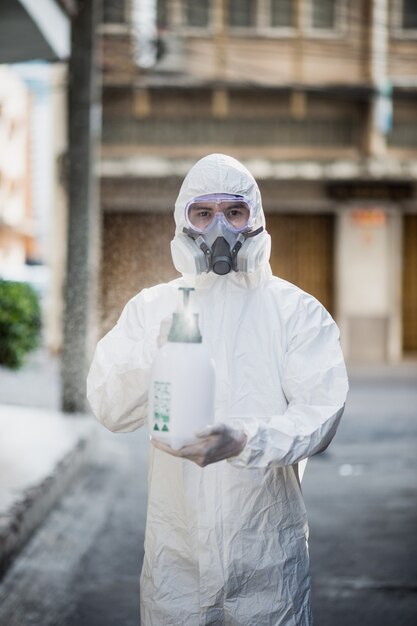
(36, 384)
(41, 452)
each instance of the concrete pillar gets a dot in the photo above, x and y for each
(220, 104)
(58, 232)
(142, 103)
(368, 278)
(175, 13)
(84, 215)
(298, 41)
(220, 40)
(298, 104)
(379, 111)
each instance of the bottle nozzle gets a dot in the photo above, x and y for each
(186, 294)
(185, 325)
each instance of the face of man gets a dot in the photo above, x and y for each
(233, 212)
(226, 226)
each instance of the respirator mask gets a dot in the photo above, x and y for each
(218, 237)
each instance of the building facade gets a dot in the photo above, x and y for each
(319, 99)
(17, 232)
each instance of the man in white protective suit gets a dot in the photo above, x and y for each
(226, 534)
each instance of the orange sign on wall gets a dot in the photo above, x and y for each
(369, 217)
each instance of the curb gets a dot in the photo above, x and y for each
(29, 511)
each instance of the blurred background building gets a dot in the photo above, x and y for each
(34, 43)
(17, 241)
(319, 99)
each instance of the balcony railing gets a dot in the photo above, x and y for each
(236, 132)
(403, 135)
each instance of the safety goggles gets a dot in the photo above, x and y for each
(204, 211)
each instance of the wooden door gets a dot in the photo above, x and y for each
(302, 252)
(410, 284)
(135, 254)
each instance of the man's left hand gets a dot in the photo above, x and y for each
(216, 443)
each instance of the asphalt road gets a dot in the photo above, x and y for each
(361, 496)
(82, 567)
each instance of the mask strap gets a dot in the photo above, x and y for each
(201, 244)
(239, 243)
(253, 233)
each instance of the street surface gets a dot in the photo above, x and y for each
(81, 568)
(361, 496)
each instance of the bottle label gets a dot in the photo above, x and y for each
(161, 406)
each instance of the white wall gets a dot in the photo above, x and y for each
(369, 281)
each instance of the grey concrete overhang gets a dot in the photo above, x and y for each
(263, 169)
(171, 81)
(33, 29)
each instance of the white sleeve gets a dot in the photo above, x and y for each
(117, 383)
(315, 384)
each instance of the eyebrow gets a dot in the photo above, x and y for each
(201, 205)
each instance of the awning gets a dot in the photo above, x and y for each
(33, 29)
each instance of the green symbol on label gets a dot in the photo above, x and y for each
(161, 406)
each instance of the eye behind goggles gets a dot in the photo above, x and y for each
(235, 211)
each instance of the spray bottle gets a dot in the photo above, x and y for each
(182, 388)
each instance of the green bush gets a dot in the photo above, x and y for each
(20, 322)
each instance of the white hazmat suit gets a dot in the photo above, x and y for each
(227, 544)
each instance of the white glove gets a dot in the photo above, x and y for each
(216, 443)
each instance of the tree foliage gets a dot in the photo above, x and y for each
(20, 322)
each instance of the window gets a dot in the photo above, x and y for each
(266, 16)
(162, 14)
(242, 13)
(114, 12)
(282, 14)
(404, 19)
(197, 13)
(409, 15)
(323, 14)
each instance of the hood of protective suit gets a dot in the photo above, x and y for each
(216, 174)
